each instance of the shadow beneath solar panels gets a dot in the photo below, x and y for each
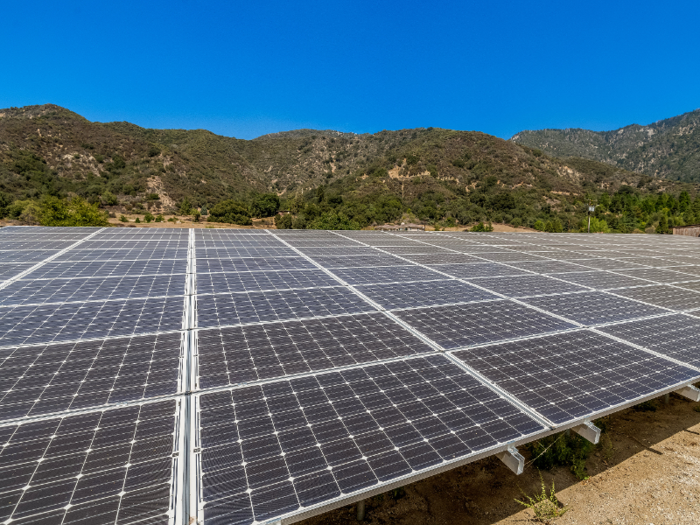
(484, 492)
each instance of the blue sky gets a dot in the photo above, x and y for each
(246, 69)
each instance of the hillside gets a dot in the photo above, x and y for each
(668, 148)
(433, 175)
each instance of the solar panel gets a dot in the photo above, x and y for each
(78, 269)
(672, 297)
(251, 264)
(29, 256)
(591, 308)
(478, 270)
(299, 370)
(430, 293)
(385, 274)
(231, 356)
(358, 261)
(549, 267)
(475, 324)
(276, 449)
(46, 379)
(676, 336)
(421, 248)
(659, 275)
(45, 291)
(602, 280)
(93, 320)
(98, 467)
(241, 308)
(575, 375)
(8, 271)
(442, 258)
(262, 281)
(527, 286)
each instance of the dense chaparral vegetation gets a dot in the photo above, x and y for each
(323, 179)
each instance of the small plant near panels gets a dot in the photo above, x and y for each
(546, 507)
(481, 227)
(562, 450)
(123, 218)
(696, 408)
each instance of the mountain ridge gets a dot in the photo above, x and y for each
(668, 148)
(427, 174)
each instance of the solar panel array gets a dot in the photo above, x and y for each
(243, 376)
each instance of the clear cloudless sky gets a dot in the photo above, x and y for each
(244, 69)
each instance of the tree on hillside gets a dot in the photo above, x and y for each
(265, 205)
(231, 212)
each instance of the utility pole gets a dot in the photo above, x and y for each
(591, 209)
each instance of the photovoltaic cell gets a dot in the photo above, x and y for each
(574, 375)
(100, 467)
(431, 293)
(94, 320)
(591, 308)
(338, 433)
(241, 308)
(40, 380)
(230, 356)
(474, 324)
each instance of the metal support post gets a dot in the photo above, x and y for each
(513, 460)
(667, 399)
(690, 392)
(588, 431)
(361, 510)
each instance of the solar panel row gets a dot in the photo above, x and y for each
(297, 369)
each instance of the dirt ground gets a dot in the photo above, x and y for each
(646, 471)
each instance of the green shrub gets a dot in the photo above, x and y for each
(540, 225)
(148, 217)
(283, 222)
(109, 199)
(231, 212)
(123, 218)
(159, 218)
(265, 205)
(481, 227)
(73, 212)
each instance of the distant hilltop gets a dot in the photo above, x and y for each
(668, 149)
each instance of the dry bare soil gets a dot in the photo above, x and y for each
(646, 471)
